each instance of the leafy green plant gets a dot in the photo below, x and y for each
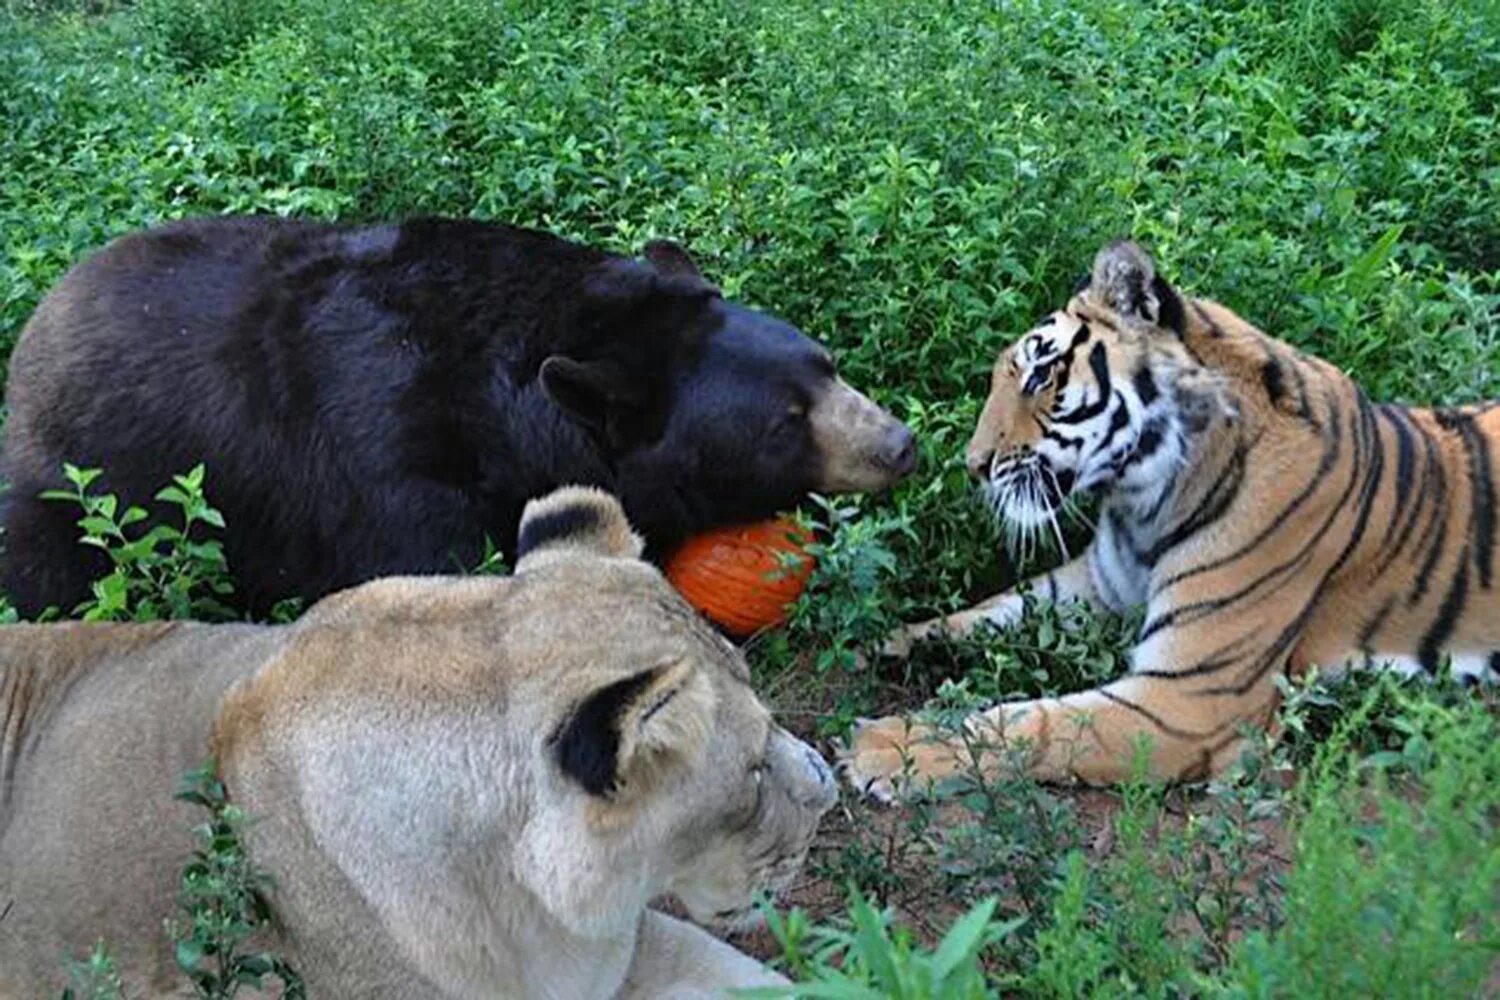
(163, 571)
(491, 562)
(223, 897)
(870, 960)
(1394, 886)
(94, 978)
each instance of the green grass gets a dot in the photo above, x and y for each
(915, 184)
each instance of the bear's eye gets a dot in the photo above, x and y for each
(791, 417)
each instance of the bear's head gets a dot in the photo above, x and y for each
(709, 412)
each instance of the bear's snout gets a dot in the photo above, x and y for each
(899, 453)
(862, 447)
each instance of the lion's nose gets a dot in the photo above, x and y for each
(979, 461)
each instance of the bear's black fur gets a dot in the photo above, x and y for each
(373, 400)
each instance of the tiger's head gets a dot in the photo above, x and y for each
(1099, 398)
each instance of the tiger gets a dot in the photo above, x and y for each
(1266, 513)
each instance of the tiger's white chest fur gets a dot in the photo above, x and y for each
(1120, 577)
(1465, 666)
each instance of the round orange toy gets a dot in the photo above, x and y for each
(737, 577)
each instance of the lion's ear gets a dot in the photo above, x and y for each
(1125, 281)
(622, 731)
(578, 520)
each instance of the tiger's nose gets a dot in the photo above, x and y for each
(979, 460)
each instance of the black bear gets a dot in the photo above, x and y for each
(381, 399)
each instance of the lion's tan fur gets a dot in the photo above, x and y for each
(396, 748)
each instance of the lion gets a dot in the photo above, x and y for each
(463, 786)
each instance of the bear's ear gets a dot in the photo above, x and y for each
(1124, 280)
(579, 520)
(591, 392)
(616, 286)
(644, 296)
(671, 260)
(622, 732)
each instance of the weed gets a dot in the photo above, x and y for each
(94, 978)
(223, 899)
(871, 960)
(160, 571)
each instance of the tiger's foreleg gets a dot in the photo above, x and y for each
(1069, 582)
(1177, 727)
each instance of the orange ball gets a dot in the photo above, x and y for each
(736, 577)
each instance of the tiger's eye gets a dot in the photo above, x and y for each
(1037, 380)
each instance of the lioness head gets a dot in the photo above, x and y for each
(574, 734)
(1097, 396)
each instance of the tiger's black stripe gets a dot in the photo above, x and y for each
(1365, 473)
(1372, 627)
(1272, 379)
(1304, 404)
(1429, 559)
(1065, 440)
(1202, 609)
(1332, 446)
(1437, 524)
(1119, 419)
(1366, 448)
(1437, 635)
(1169, 313)
(1482, 504)
(1099, 363)
(1222, 658)
(1144, 385)
(1158, 722)
(1405, 461)
(1214, 505)
(1146, 444)
(1409, 496)
(1274, 656)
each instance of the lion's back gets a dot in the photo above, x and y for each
(97, 725)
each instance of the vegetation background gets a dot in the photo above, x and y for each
(914, 184)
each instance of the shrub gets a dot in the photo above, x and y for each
(160, 571)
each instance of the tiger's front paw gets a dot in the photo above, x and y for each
(891, 757)
(898, 645)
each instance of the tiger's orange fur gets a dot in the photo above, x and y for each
(1293, 522)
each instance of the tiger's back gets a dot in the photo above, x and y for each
(1389, 509)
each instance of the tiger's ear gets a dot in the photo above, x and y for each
(621, 732)
(1124, 280)
(574, 520)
